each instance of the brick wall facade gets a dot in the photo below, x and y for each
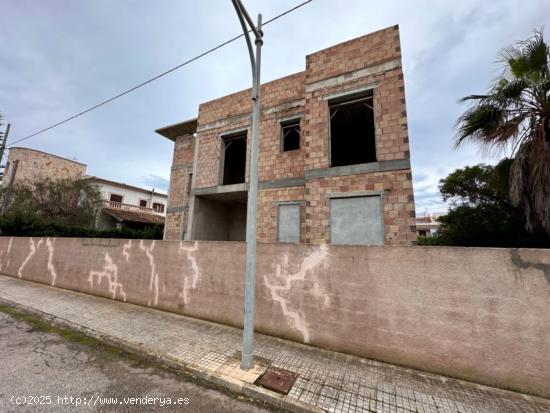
(180, 185)
(371, 62)
(35, 165)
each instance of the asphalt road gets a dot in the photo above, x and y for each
(47, 369)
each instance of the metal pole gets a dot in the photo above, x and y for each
(250, 277)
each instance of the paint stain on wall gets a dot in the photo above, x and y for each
(5, 256)
(110, 272)
(126, 250)
(51, 268)
(33, 247)
(190, 282)
(154, 278)
(280, 293)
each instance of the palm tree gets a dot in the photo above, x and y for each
(515, 115)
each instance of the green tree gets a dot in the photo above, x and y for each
(478, 184)
(67, 202)
(61, 208)
(481, 213)
(515, 115)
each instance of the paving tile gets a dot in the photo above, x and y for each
(232, 368)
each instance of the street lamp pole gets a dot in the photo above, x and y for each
(250, 278)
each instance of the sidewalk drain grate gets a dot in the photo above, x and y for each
(278, 380)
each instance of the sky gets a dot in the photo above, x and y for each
(58, 57)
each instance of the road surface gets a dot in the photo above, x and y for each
(56, 370)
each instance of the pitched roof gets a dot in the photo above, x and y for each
(133, 216)
(122, 185)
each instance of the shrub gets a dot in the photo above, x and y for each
(29, 224)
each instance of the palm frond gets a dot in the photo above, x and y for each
(511, 90)
(515, 114)
(473, 97)
(536, 53)
(528, 58)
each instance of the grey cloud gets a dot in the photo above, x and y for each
(157, 182)
(57, 58)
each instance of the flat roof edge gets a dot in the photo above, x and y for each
(49, 154)
(177, 129)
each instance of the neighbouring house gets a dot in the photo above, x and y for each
(127, 205)
(25, 166)
(122, 205)
(334, 161)
(428, 224)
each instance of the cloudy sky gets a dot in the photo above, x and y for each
(58, 57)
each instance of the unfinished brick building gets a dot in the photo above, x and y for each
(334, 161)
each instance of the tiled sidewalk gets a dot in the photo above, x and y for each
(327, 381)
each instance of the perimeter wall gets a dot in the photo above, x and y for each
(479, 314)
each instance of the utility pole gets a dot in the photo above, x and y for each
(250, 278)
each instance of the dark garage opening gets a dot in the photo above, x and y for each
(220, 217)
(352, 130)
(234, 159)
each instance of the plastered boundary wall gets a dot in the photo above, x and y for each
(474, 313)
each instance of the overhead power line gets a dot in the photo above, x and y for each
(155, 77)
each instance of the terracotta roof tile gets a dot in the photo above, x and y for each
(133, 216)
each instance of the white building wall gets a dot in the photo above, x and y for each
(130, 196)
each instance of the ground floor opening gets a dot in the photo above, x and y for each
(220, 217)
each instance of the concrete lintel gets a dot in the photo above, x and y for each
(181, 166)
(282, 183)
(297, 202)
(381, 166)
(171, 210)
(352, 91)
(294, 116)
(221, 189)
(235, 131)
(285, 106)
(223, 123)
(226, 122)
(354, 194)
(358, 74)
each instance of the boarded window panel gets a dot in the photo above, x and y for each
(289, 223)
(357, 221)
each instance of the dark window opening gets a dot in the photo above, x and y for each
(158, 207)
(290, 135)
(352, 131)
(143, 203)
(234, 161)
(115, 198)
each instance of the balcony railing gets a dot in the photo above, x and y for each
(129, 207)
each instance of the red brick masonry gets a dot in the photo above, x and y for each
(304, 175)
